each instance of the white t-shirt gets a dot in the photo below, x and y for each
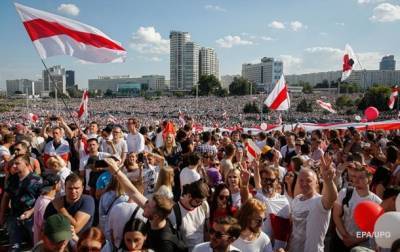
(135, 142)
(4, 152)
(63, 174)
(120, 147)
(188, 176)
(83, 163)
(278, 206)
(348, 219)
(310, 224)
(118, 216)
(205, 247)
(261, 244)
(236, 200)
(193, 222)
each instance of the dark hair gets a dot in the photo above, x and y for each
(270, 141)
(134, 225)
(185, 145)
(382, 176)
(229, 149)
(294, 181)
(197, 190)
(391, 191)
(193, 159)
(73, 178)
(92, 140)
(206, 136)
(305, 149)
(214, 201)
(234, 227)
(9, 138)
(392, 154)
(92, 234)
(164, 205)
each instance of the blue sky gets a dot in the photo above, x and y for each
(308, 35)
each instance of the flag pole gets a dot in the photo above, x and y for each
(56, 89)
(398, 103)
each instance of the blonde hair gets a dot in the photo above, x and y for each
(236, 170)
(55, 162)
(166, 177)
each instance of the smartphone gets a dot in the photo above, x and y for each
(53, 118)
(100, 164)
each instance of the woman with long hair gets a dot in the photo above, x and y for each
(170, 150)
(93, 240)
(165, 182)
(132, 168)
(221, 204)
(233, 182)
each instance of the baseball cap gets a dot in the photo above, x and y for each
(57, 228)
(49, 180)
(265, 149)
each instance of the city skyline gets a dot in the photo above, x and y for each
(305, 36)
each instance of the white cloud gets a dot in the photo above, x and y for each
(386, 12)
(369, 1)
(323, 34)
(297, 25)
(147, 41)
(267, 38)
(69, 9)
(276, 25)
(214, 8)
(339, 23)
(321, 59)
(291, 64)
(230, 41)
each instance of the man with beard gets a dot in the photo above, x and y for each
(222, 234)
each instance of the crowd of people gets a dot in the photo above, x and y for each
(209, 110)
(134, 185)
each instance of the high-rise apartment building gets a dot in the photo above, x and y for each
(70, 78)
(58, 76)
(209, 64)
(387, 63)
(266, 73)
(177, 47)
(188, 62)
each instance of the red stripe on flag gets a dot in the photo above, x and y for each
(39, 28)
(251, 150)
(282, 96)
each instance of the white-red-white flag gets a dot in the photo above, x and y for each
(326, 105)
(252, 150)
(83, 107)
(393, 96)
(56, 35)
(349, 59)
(33, 117)
(279, 99)
(111, 119)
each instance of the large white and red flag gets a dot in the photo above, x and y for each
(279, 99)
(393, 96)
(326, 105)
(349, 59)
(83, 107)
(56, 35)
(252, 150)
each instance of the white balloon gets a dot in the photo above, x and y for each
(387, 229)
(398, 203)
(264, 126)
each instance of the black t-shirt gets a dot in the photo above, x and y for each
(84, 204)
(156, 239)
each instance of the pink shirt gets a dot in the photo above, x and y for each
(40, 208)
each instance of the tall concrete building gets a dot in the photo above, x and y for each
(266, 73)
(177, 46)
(387, 63)
(70, 78)
(22, 86)
(227, 80)
(58, 76)
(209, 64)
(190, 65)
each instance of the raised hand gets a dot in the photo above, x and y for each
(326, 168)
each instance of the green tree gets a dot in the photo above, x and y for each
(376, 96)
(208, 85)
(241, 86)
(304, 106)
(307, 89)
(344, 101)
(108, 93)
(221, 92)
(74, 92)
(251, 108)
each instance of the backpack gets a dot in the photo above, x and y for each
(347, 197)
(176, 237)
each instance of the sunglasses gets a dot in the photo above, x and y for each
(17, 149)
(259, 220)
(217, 234)
(269, 180)
(89, 249)
(216, 164)
(223, 197)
